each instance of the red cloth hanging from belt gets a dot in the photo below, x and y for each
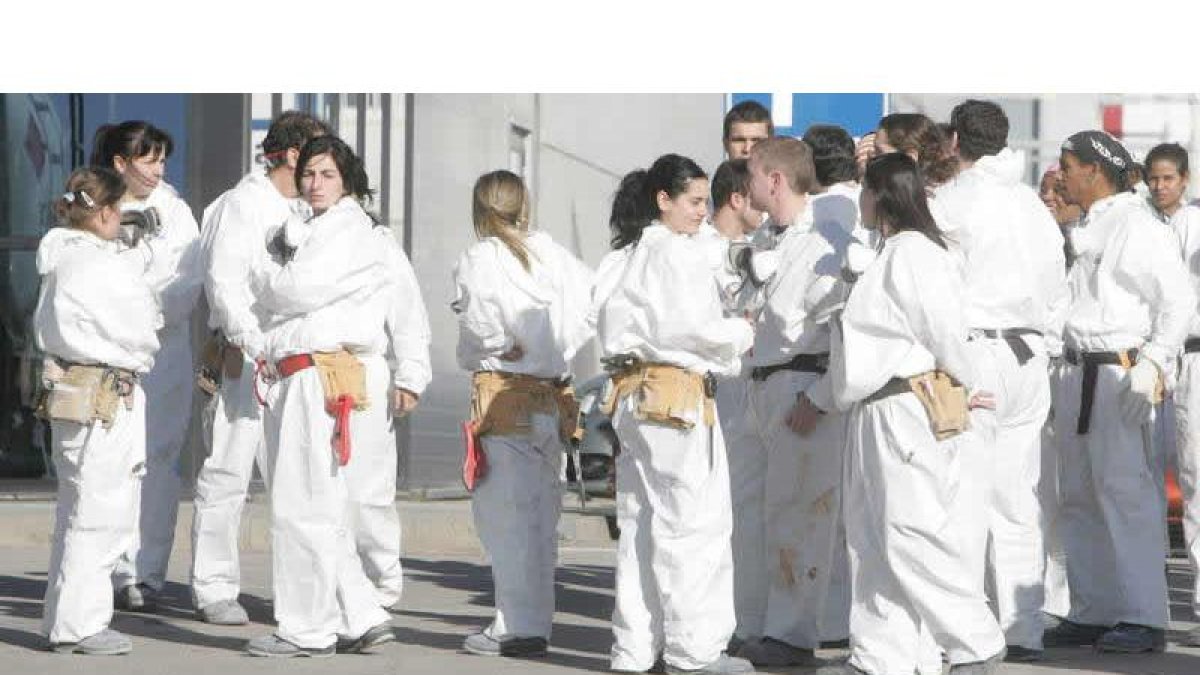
(340, 408)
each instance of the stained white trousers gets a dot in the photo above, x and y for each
(516, 507)
(747, 487)
(237, 444)
(321, 591)
(912, 580)
(169, 387)
(1187, 445)
(674, 592)
(1113, 508)
(99, 479)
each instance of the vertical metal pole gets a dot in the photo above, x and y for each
(385, 159)
(410, 124)
(404, 430)
(75, 103)
(276, 105)
(361, 126)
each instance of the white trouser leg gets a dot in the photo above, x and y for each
(320, 588)
(1113, 510)
(803, 508)
(221, 487)
(1187, 445)
(516, 509)
(371, 481)
(684, 480)
(908, 568)
(169, 388)
(99, 475)
(747, 486)
(1017, 554)
(1057, 596)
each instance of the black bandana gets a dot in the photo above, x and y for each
(1094, 147)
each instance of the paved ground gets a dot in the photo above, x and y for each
(445, 598)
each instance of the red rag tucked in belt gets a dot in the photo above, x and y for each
(340, 408)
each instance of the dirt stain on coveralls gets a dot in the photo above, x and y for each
(824, 504)
(787, 571)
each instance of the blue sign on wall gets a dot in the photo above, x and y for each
(794, 113)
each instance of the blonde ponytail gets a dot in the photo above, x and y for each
(500, 209)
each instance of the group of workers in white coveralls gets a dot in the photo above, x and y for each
(832, 370)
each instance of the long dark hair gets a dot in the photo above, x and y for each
(899, 191)
(354, 176)
(636, 202)
(130, 139)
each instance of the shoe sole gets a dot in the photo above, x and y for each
(1118, 650)
(76, 649)
(309, 653)
(380, 639)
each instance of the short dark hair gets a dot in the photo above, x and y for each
(833, 153)
(635, 205)
(1169, 152)
(732, 177)
(981, 127)
(751, 112)
(354, 176)
(130, 139)
(292, 129)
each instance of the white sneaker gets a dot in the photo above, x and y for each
(107, 642)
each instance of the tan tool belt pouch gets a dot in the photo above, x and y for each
(84, 394)
(342, 374)
(664, 394)
(945, 403)
(503, 404)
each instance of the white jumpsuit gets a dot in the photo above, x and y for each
(803, 475)
(910, 569)
(96, 307)
(169, 386)
(371, 476)
(235, 227)
(516, 504)
(674, 593)
(331, 295)
(1014, 275)
(1186, 226)
(1129, 290)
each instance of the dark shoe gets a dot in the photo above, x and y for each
(1019, 654)
(107, 642)
(979, 667)
(772, 653)
(273, 646)
(375, 636)
(482, 644)
(723, 665)
(736, 643)
(843, 668)
(659, 667)
(1191, 638)
(1130, 638)
(136, 598)
(1070, 634)
(844, 643)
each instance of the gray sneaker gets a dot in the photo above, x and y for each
(723, 665)
(843, 668)
(136, 598)
(1131, 638)
(273, 646)
(224, 613)
(979, 667)
(107, 642)
(772, 653)
(482, 644)
(373, 637)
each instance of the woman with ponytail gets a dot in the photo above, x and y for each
(522, 304)
(665, 337)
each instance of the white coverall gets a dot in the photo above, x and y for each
(674, 591)
(1185, 224)
(96, 307)
(516, 505)
(803, 474)
(235, 228)
(169, 386)
(1129, 290)
(331, 295)
(1014, 276)
(371, 475)
(911, 579)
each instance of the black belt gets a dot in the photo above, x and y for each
(894, 387)
(1012, 336)
(1191, 345)
(1091, 362)
(804, 363)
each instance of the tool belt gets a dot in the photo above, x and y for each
(1091, 362)
(344, 381)
(804, 363)
(942, 397)
(219, 359)
(85, 394)
(665, 394)
(1012, 337)
(503, 404)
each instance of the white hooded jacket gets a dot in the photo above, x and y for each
(666, 307)
(544, 309)
(95, 306)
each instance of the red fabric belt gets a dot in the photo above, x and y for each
(340, 408)
(290, 365)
